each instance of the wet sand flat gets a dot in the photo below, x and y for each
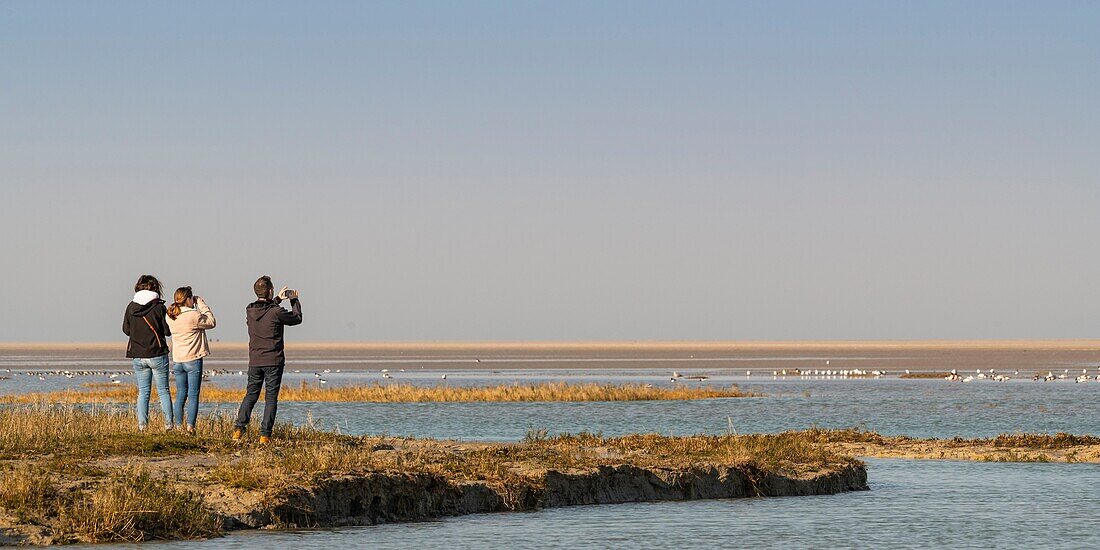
(893, 356)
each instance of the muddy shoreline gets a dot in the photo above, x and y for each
(372, 498)
(375, 498)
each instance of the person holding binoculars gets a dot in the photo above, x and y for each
(188, 318)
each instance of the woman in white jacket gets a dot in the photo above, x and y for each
(189, 318)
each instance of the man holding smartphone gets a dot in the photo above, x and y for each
(266, 360)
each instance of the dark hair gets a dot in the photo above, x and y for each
(147, 282)
(263, 286)
(182, 294)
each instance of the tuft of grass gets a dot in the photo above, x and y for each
(1059, 440)
(938, 375)
(407, 393)
(28, 492)
(128, 505)
(71, 431)
(133, 506)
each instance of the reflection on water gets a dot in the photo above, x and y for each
(911, 504)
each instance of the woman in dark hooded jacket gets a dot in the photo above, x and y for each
(144, 323)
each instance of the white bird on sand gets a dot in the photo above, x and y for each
(676, 374)
(748, 373)
(444, 377)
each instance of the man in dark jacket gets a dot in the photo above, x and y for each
(266, 360)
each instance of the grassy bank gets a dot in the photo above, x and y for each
(71, 474)
(1017, 447)
(406, 393)
(925, 375)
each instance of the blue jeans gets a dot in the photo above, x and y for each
(145, 371)
(188, 382)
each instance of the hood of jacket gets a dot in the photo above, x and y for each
(143, 297)
(256, 310)
(144, 302)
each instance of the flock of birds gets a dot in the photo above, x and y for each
(953, 376)
(114, 375)
(994, 376)
(827, 373)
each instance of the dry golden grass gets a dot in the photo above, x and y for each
(406, 393)
(128, 505)
(86, 472)
(926, 375)
(27, 492)
(71, 431)
(133, 506)
(1018, 447)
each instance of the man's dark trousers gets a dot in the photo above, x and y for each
(272, 379)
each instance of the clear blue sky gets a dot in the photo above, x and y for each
(557, 170)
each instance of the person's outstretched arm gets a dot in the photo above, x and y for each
(206, 317)
(294, 316)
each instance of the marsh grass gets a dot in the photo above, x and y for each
(1029, 441)
(406, 393)
(133, 506)
(1059, 440)
(123, 506)
(1015, 447)
(73, 431)
(28, 492)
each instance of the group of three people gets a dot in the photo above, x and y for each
(151, 326)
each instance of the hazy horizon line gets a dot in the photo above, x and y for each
(1005, 343)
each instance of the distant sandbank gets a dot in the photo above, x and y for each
(641, 345)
